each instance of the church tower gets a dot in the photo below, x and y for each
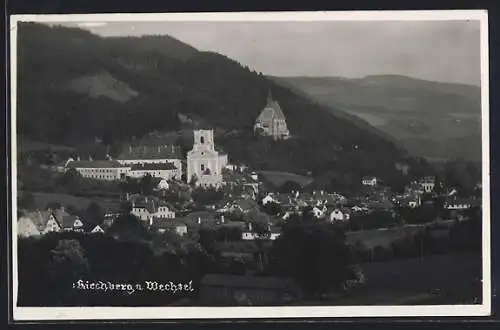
(204, 164)
(272, 121)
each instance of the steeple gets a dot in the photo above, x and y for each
(269, 97)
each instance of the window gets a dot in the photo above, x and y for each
(202, 167)
(202, 139)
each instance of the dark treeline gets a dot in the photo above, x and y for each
(129, 253)
(464, 236)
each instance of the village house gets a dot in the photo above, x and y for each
(246, 290)
(272, 121)
(428, 183)
(337, 215)
(250, 235)
(162, 184)
(370, 181)
(162, 225)
(458, 203)
(71, 223)
(319, 211)
(243, 205)
(26, 227)
(39, 223)
(413, 201)
(146, 208)
(97, 230)
(269, 198)
(204, 163)
(414, 188)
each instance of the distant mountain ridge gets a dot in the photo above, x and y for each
(430, 119)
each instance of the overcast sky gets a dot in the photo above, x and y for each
(433, 50)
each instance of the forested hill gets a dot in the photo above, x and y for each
(435, 120)
(75, 86)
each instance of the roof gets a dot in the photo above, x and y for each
(459, 200)
(67, 221)
(234, 224)
(26, 225)
(164, 223)
(151, 203)
(153, 167)
(159, 139)
(266, 114)
(236, 281)
(149, 152)
(246, 204)
(95, 164)
(368, 178)
(39, 218)
(428, 179)
(272, 110)
(275, 230)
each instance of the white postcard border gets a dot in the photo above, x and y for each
(137, 313)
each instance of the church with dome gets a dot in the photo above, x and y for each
(271, 121)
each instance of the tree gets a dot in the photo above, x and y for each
(53, 205)
(272, 208)
(93, 215)
(67, 265)
(147, 184)
(206, 196)
(71, 180)
(27, 201)
(290, 186)
(128, 225)
(314, 255)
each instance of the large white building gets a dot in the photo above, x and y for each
(204, 163)
(151, 154)
(105, 170)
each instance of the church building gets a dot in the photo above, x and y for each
(204, 163)
(272, 121)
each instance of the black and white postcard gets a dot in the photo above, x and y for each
(250, 165)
